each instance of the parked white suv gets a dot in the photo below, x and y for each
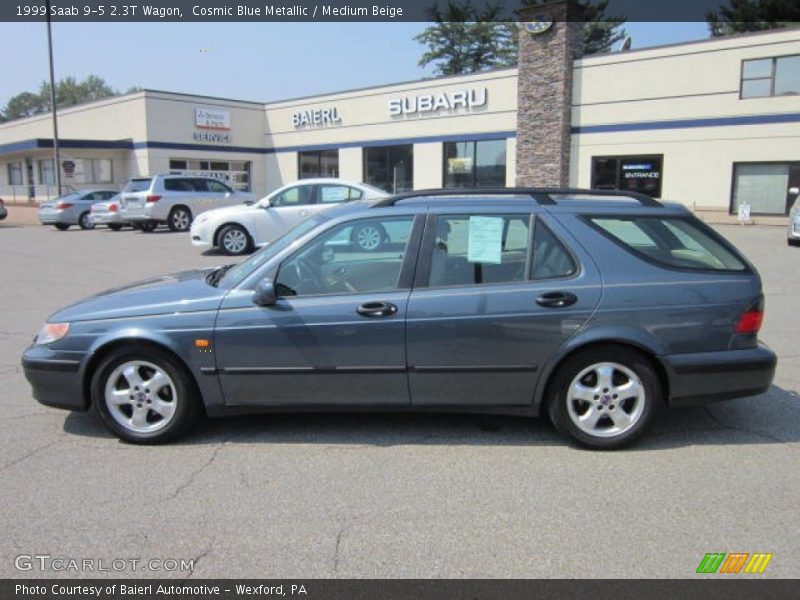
(174, 199)
(239, 229)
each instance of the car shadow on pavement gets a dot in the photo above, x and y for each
(770, 418)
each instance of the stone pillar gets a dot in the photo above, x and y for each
(544, 92)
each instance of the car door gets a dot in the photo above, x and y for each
(285, 210)
(496, 294)
(336, 334)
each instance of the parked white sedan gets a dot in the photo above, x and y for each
(239, 229)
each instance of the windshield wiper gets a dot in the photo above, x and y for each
(213, 278)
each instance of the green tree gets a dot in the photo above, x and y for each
(69, 92)
(466, 39)
(740, 16)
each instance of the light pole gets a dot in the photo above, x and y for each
(57, 157)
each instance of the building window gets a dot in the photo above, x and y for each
(763, 77)
(100, 170)
(318, 163)
(15, 173)
(390, 168)
(47, 174)
(764, 186)
(234, 173)
(475, 164)
(642, 174)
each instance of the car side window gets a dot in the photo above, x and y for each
(551, 259)
(479, 249)
(217, 187)
(294, 196)
(179, 185)
(331, 194)
(334, 263)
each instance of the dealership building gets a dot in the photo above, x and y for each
(714, 124)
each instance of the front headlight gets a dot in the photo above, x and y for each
(51, 332)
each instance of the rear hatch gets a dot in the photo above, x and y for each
(133, 198)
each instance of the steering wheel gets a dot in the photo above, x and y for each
(306, 272)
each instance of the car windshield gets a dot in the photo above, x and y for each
(237, 274)
(137, 185)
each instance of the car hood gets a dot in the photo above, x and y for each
(177, 293)
(227, 211)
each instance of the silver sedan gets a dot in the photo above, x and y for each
(107, 213)
(72, 209)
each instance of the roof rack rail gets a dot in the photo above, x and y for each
(543, 196)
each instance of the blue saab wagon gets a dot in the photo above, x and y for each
(594, 308)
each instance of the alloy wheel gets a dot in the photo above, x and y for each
(606, 399)
(369, 238)
(180, 220)
(141, 396)
(234, 241)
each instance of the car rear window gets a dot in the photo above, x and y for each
(137, 185)
(675, 242)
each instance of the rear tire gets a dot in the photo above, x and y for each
(148, 226)
(234, 240)
(144, 396)
(85, 221)
(604, 397)
(61, 226)
(179, 219)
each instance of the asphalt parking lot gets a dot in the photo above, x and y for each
(301, 496)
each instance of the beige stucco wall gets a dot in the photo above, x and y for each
(686, 82)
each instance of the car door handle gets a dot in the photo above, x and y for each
(376, 309)
(556, 300)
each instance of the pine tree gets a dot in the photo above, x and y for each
(740, 16)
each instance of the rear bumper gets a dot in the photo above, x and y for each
(55, 218)
(107, 219)
(709, 376)
(55, 377)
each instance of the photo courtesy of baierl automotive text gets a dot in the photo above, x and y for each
(428, 298)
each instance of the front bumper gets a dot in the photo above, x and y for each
(696, 379)
(56, 377)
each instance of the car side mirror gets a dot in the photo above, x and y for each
(264, 294)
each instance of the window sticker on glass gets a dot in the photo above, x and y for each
(333, 193)
(485, 240)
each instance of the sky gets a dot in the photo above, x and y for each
(247, 61)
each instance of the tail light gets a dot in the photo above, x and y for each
(63, 205)
(752, 318)
(150, 199)
(112, 208)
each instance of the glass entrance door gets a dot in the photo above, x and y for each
(765, 187)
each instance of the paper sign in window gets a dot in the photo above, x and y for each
(485, 240)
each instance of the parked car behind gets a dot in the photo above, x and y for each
(240, 229)
(175, 200)
(107, 213)
(793, 233)
(3, 211)
(595, 310)
(72, 209)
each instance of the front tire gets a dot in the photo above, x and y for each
(234, 240)
(85, 221)
(61, 226)
(179, 219)
(604, 397)
(144, 396)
